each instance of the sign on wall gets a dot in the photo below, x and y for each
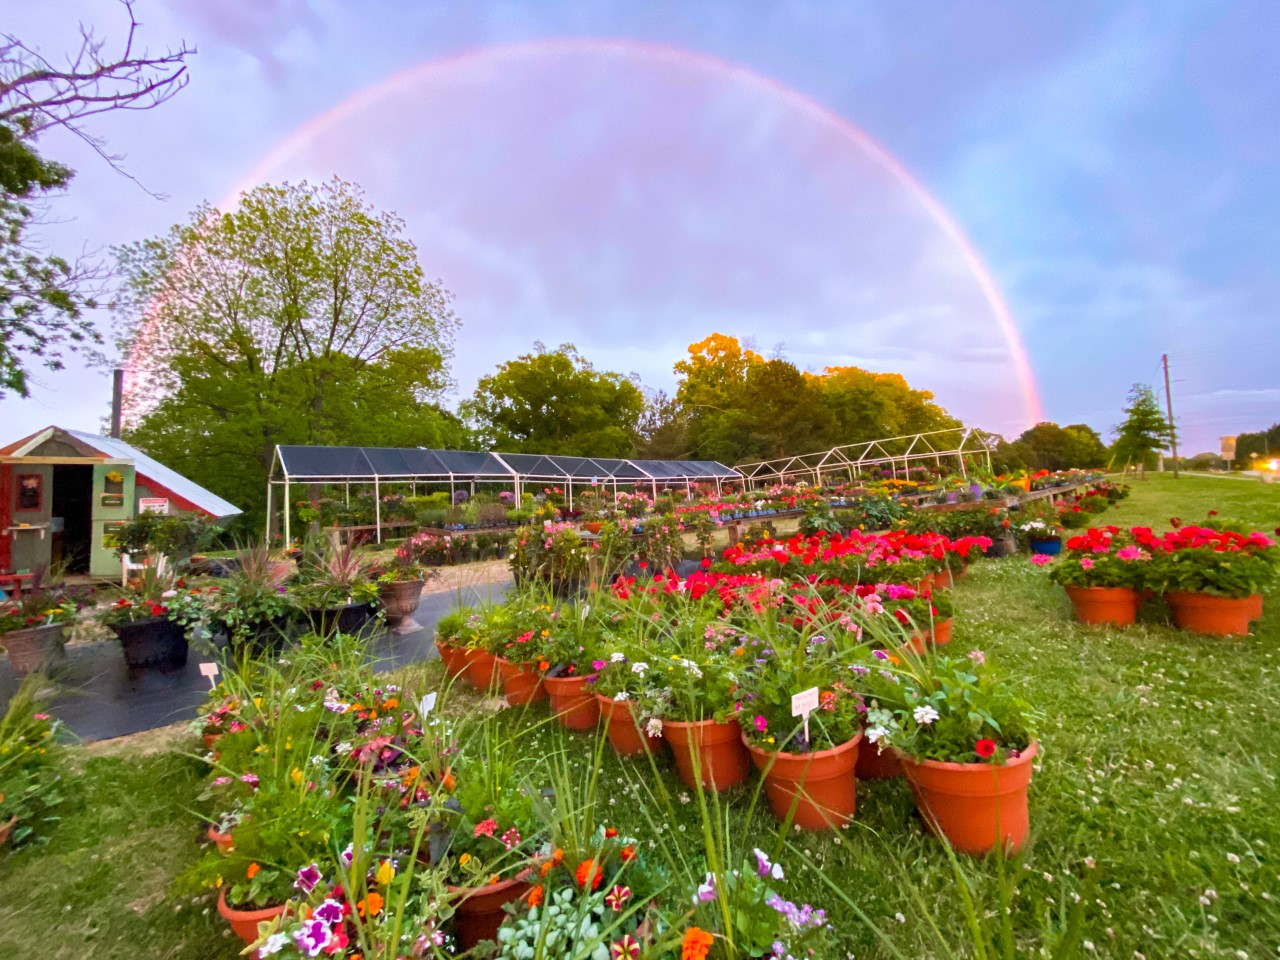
(153, 505)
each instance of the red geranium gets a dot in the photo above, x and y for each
(985, 748)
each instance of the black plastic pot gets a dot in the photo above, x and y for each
(156, 642)
(349, 618)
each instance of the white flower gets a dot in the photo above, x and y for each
(168, 594)
(654, 727)
(925, 715)
(691, 667)
(639, 668)
(342, 749)
(617, 657)
(622, 695)
(274, 944)
(876, 734)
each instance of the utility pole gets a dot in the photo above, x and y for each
(1168, 399)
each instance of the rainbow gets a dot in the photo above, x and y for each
(369, 97)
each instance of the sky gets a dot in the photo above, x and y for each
(929, 188)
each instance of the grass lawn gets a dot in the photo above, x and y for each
(1159, 768)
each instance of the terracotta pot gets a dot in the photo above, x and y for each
(942, 579)
(6, 829)
(625, 735)
(156, 642)
(1114, 606)
(35, 648)
(821, 785)
(454, 658)
(926, 582)
(1255, 611)
(1204, 613)
(573, 702)
(222, 841)
(918, 642)
(974, 805)
(940, 634)
(521, 682)
(482, 670)
(877, 764)
(400, 601)
(244, 923)
(593, 526)
(478, 910)
(714, 749)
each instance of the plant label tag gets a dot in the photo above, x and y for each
(803, 704)
(427, 703)
(209, 671)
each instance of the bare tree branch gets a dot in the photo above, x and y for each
(36, 95)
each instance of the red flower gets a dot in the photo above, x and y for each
(985, 748)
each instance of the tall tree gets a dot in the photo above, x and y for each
(555, 401)
(300, 317)
(1144, 430)
(872, 406)
(663, 428)
(44, 297)
(1084, 446)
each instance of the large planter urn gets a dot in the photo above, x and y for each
(350, 618)
(154, 642)
(400, 601)
(35, 648)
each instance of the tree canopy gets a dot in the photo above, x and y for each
(300, 317)
(1144, 430)
(555, 401)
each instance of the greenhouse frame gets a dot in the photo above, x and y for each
(377, 466)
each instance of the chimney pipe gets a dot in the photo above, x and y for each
(117, 401)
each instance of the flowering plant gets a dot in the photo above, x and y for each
(1104, 557)
(30, 762)
(950, 708)
(37, 608)
(1203, 560)
(155, 595)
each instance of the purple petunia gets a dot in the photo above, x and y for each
(330, 911)
(313, 937)
(307, 879)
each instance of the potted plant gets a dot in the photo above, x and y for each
(1042, 536)
(30, 764)
(621, 685)
(400, 586)
(151, 616)
(967, 740)
(807, 765)
(254, 604)
(454, 632)
(569, 652)
(1103, 573)
(1211, 579)
(519, 640)
(337, 594)
(32, 627)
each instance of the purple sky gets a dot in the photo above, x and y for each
(1115, 165)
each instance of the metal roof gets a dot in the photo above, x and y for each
(150, 469)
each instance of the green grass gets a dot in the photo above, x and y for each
(1159, 765)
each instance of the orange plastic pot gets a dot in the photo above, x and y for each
(1255, 610)
(622, 727)
(822, 786)
(482, 669)
(6, 829)
(1204, 613)
(454, 658)
(1113, 606)
(943, 579)
(877, 764)
(244, 923)
(478, 911)
(708, 751)
(222, 841)
(974, 805)
(521, 683)
(940, 635)
(918, 642)
(573, 702)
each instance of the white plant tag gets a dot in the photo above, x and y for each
(427, 703)
(803, 704)
(209, 670)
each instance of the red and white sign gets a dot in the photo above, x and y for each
(153, 505)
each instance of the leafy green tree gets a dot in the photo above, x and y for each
(663, 428)
(1250, 446)
(872, 406)
(1144, 432)
(300, 317)
(44, 297)
(555, 401)
(1084, 446)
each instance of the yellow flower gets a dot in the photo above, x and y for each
(295, 775)
(262, 748)
(257, 701)
(386, 872)
(464, 859)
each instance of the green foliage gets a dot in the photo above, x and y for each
(1047, 446)
(1144, 430)
(175, 537)
(328, 334)
(556, 402)
(32, 762)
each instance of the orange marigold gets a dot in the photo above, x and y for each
(252, 871)
(588, 872)
(695, 944)
(535, 896)
(371, 905)
(628, 853)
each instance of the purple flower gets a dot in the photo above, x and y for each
(706, 890)
(765, 867)
(221, 781)
(307, 879)
(599, 664)
(762, 724)
(313, 937)
(250, 778)
(330, 911)
(879, 654)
